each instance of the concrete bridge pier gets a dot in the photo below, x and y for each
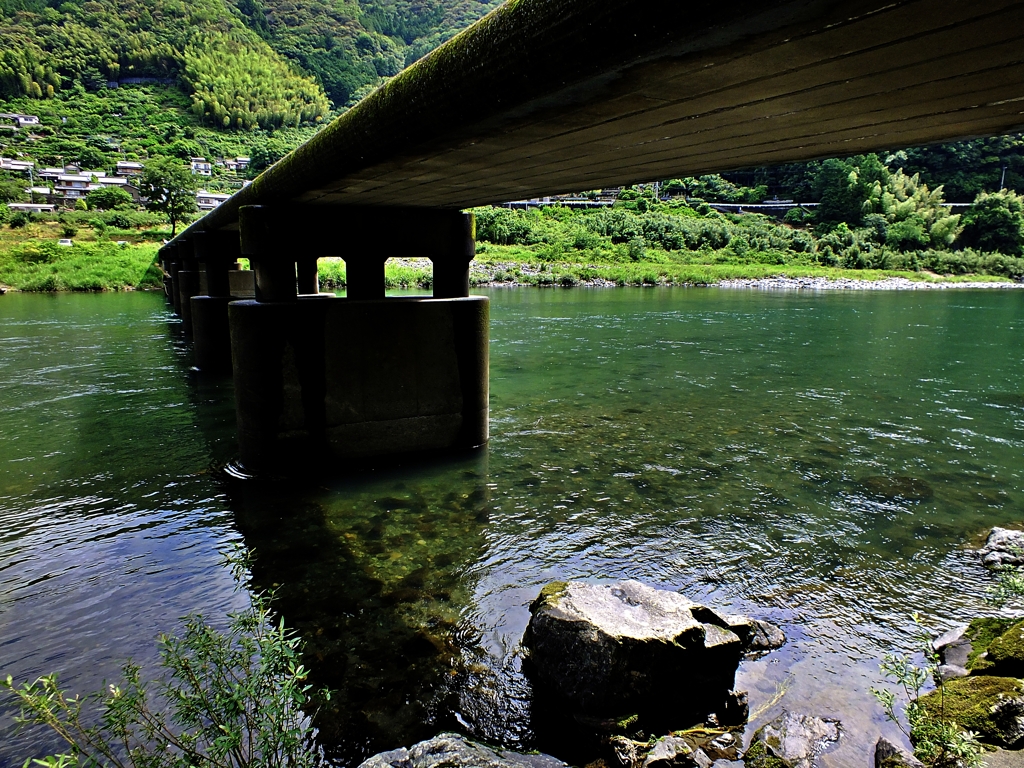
(164, 260)
(217, 255)
(188, 282)
(320, 379)
(172, 268)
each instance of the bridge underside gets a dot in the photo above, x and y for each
(542, 97)
(566, 95)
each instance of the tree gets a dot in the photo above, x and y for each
(168, 188)
(108, 198)
(92, 159)
(995, 222)
(837, 190)
(12, 191)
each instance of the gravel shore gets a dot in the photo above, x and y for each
(846, 284)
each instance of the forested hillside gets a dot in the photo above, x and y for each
(244, 63)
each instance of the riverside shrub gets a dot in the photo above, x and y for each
(235, 700)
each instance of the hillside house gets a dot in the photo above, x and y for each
(201, 166)
(237, 165)
(18, 120)
(207, 201)
(129, 168)
(31, 207)
(71, 186)
(16, 166)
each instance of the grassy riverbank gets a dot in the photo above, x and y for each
(31, 259)
(510, 266)
(105, 257)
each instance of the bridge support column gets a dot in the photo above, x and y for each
(308, 278)
(217, 253)
(323, 379)
(364, 275)
(188, 284)
(451, 265)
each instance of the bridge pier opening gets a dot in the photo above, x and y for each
(320, 378)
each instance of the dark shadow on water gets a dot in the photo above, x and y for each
(372, 581)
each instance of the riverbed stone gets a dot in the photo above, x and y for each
(792, 740)
(992, 707)
(605, 646)
(670, 752)
(1003, 547)
(450, 750)
(889, 755)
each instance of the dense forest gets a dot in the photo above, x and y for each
(243, 62)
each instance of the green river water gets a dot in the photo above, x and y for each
(819, 460)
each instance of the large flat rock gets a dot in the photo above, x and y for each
(606, 646)
(450, 750)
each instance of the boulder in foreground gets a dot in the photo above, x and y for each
(606, 646)
(792, 739)
(889, 755)
(450, 750)
(992, 707)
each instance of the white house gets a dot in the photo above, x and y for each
(31, 207)
(201, 166)
(71, 186)
(16, 166)
(20, 121)
(207, 201)
(129, 168)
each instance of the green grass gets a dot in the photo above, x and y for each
(103, 266)
(527, 265)
(30, 260)
(332, 275)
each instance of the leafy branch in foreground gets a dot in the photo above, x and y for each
(938, 741)
(232, 699)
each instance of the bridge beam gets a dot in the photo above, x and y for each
(319, 378)
(283, 241)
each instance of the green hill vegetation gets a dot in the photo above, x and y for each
(234, 77)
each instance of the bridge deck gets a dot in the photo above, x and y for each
(551, 96)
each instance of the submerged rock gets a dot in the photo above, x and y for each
(791, 741)
(889, 755)
(897, 487)
(992, 707)
(608, 645)
(1003, 547)
(450, 750)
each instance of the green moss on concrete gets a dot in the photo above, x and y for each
(969, 701)
(981, 633)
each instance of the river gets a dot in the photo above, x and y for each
(821, 460)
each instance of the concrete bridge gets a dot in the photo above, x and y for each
(542, 97)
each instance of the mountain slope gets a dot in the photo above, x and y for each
(244, 62)
(235, 78)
